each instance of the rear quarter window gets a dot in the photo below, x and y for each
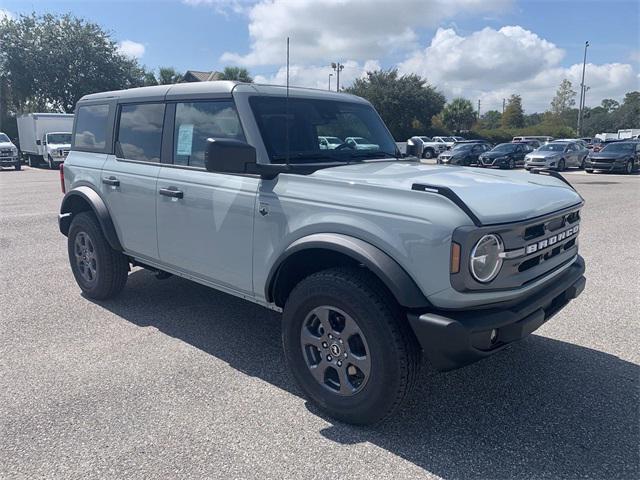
(91, 127)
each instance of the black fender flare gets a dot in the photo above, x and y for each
(396, 279)
(89, 196)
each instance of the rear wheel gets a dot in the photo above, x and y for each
(348, 345)
(588, 170)
(512, 164)
(100, 271)
(428, 153)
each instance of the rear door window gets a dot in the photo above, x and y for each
(91, 127)
(198, 121)
(139, 134)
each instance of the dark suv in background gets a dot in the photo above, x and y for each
(616, 156)
(505, 155)
(464, 153)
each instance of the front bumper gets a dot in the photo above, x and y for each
(9, 160)
(604, 166)
(452, 339)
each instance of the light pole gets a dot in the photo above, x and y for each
(337, 66)
(582, 92)
(330, 75)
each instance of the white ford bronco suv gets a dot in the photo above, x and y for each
(373, 259)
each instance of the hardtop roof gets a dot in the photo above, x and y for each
(213, 88)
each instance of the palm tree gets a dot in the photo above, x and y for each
(168, 76)
(236, 73)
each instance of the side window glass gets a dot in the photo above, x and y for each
(91, 127)
(198, 121)
(140, 132)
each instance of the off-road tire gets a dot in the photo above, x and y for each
(112, 266)
(394, 350)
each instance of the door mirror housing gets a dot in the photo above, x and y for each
(38, 142)
(225, 155)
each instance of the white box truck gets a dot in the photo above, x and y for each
(45, 137)
(628, 133)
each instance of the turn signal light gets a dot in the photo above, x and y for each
(455, 257)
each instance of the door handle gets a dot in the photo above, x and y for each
(172, 192)
(113, 181)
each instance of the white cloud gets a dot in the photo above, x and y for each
(338, 29)
(317, 76)
(5, 14)
(493, 64)
(131, 49)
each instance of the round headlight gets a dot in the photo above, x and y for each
(485, 258)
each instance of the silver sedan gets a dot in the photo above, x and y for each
(557, 156)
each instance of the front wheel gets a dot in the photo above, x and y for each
(51, 163)
(428, 153)
(512, 164)
(349, 346)
(18, 166)
(561, 165)
(100, 271)
(628, 167)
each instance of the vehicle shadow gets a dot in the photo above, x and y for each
(543, 408)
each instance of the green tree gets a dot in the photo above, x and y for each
(513, 113)
(49, 61)
(628, 115)
(405, 102)
(610, 105)
(491, 119)
(565, 98)
(236, 73)
(458, 114)
(168, 76)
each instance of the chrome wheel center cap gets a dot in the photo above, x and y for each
(335, 349)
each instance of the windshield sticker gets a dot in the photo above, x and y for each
(185, 139)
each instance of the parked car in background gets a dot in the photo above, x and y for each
(616, 156)
(329, 143)
(45, 137)
(447, 141)
(588, 141)
(464, 154)
(8, 153)
(531, 143)
(459, 139)
(505, 155)
(540, 138)
(424, 147)
(557, 155)
(361, 143)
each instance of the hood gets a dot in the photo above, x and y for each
(606, 154)
(6, 145)
(493, 155)
(55, 146)
(494, 196)
(544, 154)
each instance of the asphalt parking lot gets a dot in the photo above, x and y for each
(174, 380)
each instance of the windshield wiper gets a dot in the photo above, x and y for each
(372, 154)
(306, 156)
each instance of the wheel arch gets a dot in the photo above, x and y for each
(317, 252)
(86, 199)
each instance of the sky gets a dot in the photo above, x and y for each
(480, 49)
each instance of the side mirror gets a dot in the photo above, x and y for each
(38, 142)
(225, 155)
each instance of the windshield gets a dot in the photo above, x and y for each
(334, 140)
(365, 136)
(4, 138)
(449, 139)
(505, 147)
(59, 138)
(553, 147)
(619, 147)
(464, 146)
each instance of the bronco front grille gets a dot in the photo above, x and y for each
(534, 248)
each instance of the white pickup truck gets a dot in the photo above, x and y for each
(426, 147)
(45, 137)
